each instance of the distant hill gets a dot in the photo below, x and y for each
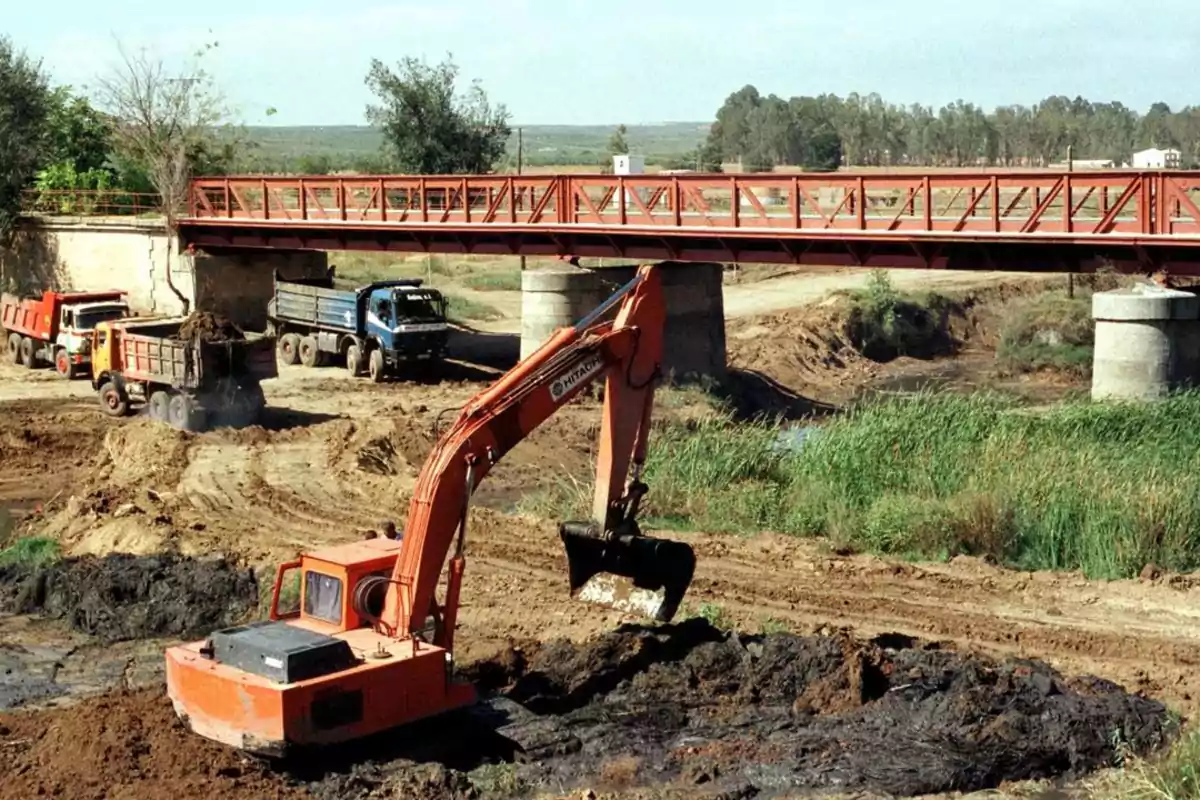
(543, 144)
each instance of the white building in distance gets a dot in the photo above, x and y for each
(1156, 159)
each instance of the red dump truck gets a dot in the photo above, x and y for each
(56, 328)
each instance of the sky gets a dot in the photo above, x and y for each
(571, 62)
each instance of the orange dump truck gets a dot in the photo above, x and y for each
(56, 328)
(186, 380)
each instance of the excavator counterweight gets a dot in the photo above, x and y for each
(369, 646)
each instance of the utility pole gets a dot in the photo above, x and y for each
(520, 157)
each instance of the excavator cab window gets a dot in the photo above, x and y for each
(323, 597)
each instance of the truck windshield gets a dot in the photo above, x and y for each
(419, 306)
(86, 320)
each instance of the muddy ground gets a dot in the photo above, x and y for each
(336, 456)
(680, 709)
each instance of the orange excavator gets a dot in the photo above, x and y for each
(369, 647)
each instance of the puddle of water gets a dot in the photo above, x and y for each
(938, 377)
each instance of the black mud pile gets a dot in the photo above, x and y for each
(122, 597)
(688, 709)
(209, 327)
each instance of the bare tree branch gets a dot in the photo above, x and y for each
(164, 123)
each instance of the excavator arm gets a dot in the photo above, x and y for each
(627, 352)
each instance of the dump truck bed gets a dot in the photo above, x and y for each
(154, 353)
(317, 306)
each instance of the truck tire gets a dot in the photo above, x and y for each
(160, 406)
(184, 414)
(28, 356)
(354, 360)
(310, 356)
(112, 400)
(63, 364)
(14, 348)
(288, 349)
(375, 366)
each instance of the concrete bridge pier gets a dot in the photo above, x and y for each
(1147, 342)
(694, 338)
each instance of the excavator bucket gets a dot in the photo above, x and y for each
(637, 574)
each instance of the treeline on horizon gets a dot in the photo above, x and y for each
(816, 133)
(828, 131)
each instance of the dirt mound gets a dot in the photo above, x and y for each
(121, 597)
(124, 746)
(782, 711)
(209, 327)
(829, 351)
(682, 708)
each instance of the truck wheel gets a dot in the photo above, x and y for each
(14, 348)
(63, 365)
(184, 414)
(113, 401)
(354, 360)
(160, 406)
(376, 366)
(288, 349)
(28, 356)
(309, 355)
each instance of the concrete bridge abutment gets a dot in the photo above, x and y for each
(135, 256)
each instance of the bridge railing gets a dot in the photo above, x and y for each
(89, 203)
(1080, 203)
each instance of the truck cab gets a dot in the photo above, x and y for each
(408, 321)
(56, 327)
(77, 323)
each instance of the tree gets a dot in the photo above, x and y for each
(428, 126)
(617, 145)
(77, 148)
(167, 126)
(24, 110)
(78, 134)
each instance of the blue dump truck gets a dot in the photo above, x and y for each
(381, 328)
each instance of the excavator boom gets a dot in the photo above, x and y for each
(369, 646)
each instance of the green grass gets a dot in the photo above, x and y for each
(1175, 776)
(32, 551)
(500, 280)
(1104, 489)
(1052, 331)
(462, 309)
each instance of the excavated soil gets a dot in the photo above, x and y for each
(124, 746)
(679, 708)
(121, 597)
(777, 712)
(209, 327)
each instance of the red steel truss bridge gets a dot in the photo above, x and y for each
(996, 220)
